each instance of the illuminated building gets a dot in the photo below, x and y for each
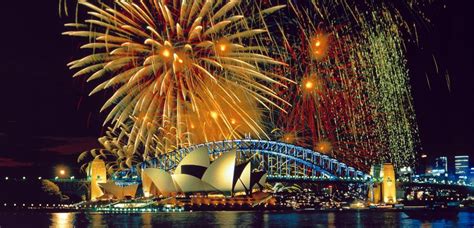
(113, 191)
(440, 167)
(97, 174)
(101, 188)
(405, 174)
(471, 176)
(375, 191)
(422, 165)
(196, 173)
(461, 166)
(384, 191)
(389, 189)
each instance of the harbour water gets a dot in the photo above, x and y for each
(365, 218)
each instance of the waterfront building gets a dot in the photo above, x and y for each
(471, 176)
(375, 190)
(113, 191)
(461, 166)
(384, 190)
(389, 189)
(97, 174)
(196, 174)
(405, 174)
(422, 164)
(440, 167)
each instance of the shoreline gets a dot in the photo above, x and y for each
(258, 210)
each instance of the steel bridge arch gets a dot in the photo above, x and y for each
(281, 160)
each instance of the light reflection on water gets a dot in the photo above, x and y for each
(226, 219)
(62, 220)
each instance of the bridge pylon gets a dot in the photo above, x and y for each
(384, 186)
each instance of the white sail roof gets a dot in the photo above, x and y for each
(220, 173)
(187, 183)
(147, 184)
(263, 180)
(243, 182)
(198, 157)
(118, 191)
(162, 180)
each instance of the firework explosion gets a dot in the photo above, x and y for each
(352, 98)
(197, 67)
(187, 72)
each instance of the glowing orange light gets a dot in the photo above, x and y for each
(312, 85)
(233, 121)
(289, 137)
(223, 47)
(324, 146)
(214, 114)
(62, 171)
(166, 53)
(319, 46)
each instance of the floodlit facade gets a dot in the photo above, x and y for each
(196, 173)
(101, 188)
(389, 189)
(112, 190)
(97, 173)
(386, 191)
(440, 167)
(461, 166)
(375, 191)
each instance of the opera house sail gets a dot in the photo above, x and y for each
(196, 173)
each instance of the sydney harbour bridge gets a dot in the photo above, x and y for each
(280, 160)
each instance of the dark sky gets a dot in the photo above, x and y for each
(445, 114)
(46, 117)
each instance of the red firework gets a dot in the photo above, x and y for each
(329, 112)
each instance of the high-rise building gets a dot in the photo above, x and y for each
(422, 165)
(471, 178)
(440, 167)
(461, 166)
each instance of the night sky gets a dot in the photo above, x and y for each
(47, 118)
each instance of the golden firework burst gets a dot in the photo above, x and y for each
(169, 62)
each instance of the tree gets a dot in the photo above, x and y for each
(51, 190)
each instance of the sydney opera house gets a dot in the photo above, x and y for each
(195, 173)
